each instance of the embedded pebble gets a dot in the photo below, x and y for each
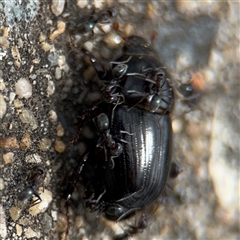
(62, 222)
(177, 125)
(88, 46)
(33, 158)
(3, 227)
(3, 106)
(27, 117)
(59, 146)
(60, 130)
(15, 213)
(82, 3)
(2, 85)
(9, 142)
(8, 157)
(41, 207)
(60, 29)
(16, 56)
(58, 73)
(61, 61)
(4, 43)
(36, 60)
(19, 230)
(45, 144)
(12, 96)
(78, 221)
(25, 142)
(112, 40)
(46, 46)
(1, 184)
(29, 233)
(57, 7)
(54, 215)
(23, 88)
(53, 116)
(53, 59)
(18, 103)
(24, 221)
(50, 88)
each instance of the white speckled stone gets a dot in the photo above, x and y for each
(23, 88)
(3, 106)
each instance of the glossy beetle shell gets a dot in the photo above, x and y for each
(141, 171)
(129, 167)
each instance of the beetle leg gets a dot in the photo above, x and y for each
(174, 170)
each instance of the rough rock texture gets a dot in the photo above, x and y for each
(40, 42)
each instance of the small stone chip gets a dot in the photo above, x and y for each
(23, 88)
(62, 222)
(18, 230)
(9, 142)
(57, 7)
(59, 146)
(27, 117)
(15, 213)
(60, 29)
(3, 106)
(45, 144)
(60, 130)
(25, 142)
(8, 157)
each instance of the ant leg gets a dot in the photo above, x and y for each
(101, 72)
(38, 200)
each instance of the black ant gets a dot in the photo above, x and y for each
(36, 175)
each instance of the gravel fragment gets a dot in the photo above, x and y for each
(62, 222)
(29, 233)
(19, 230)
(1, 184)
(112, 40)
(28, 117)
(59, 146)
(3, 106)
(4, 43)
(25, 142)
(50, 88)
(53, 116)
(2, 86)
(15, 213)
(45, 144)
(8, 157)
(57, 7)
(60, 29)
(23, 88)
(58, 73)
(3, 226)
(9, 142)
(60, 130)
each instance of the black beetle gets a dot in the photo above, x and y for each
(133, 154)
(36, 175)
